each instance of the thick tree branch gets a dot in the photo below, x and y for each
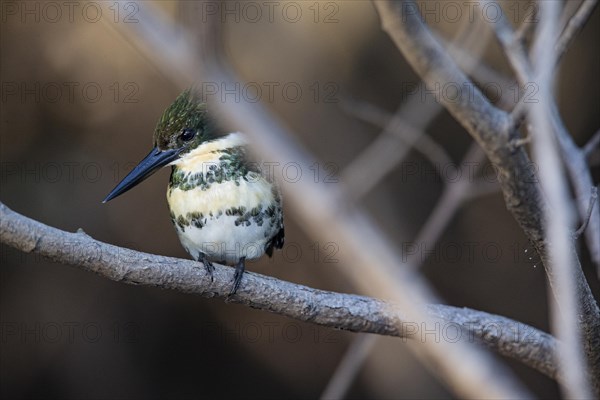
(349, 312)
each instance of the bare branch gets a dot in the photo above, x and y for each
(349, 367)
(335, 310)
(390, 147)
(492, 128)
(396, 125)
(592, 144)
(449, 202)
(563, 41)
(526, 27)
(452, 198)
(513, 48)
(575, 160)
(586, 221)
(573, 27)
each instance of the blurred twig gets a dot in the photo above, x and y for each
(335, 310)
(574, 26)
(349, 366)
(487, 124)
(452, 198)
(592, 144)
(389, 149)
(424, 144)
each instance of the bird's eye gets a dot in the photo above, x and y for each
(187, 134)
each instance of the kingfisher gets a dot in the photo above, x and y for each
(224, 208)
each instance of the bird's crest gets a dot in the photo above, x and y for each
(188, 111)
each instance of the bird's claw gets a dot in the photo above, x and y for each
(210, 268)
(237, 275)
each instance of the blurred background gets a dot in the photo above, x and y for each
(79, 103)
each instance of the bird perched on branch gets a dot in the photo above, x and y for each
(223, 207)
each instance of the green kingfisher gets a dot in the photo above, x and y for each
(223, 207)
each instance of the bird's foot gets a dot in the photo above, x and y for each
(237, 275)
(210, 268)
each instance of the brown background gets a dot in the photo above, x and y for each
(70, 334)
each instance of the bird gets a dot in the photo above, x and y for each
(224, 208)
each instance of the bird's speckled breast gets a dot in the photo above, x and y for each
(220, 206)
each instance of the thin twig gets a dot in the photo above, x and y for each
(389, 148)
(487, 124)
(586, 220)
(526, 27)
(513, 49)
(592, 144)
(575, 163)
(574, 26)
(420, 141)
(452, 198)
(349, 367)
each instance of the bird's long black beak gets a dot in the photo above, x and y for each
(153, 161)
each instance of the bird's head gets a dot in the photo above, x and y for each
(184, 125)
